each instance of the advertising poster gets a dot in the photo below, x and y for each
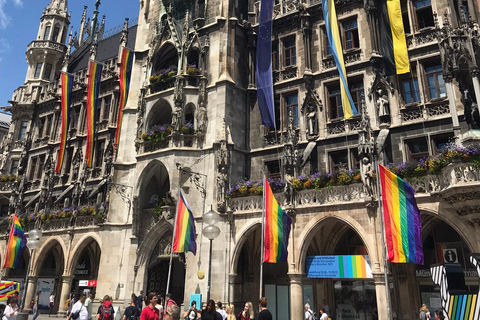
(347, 267)
(46, 286)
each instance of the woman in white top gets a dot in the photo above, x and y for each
(324, 315)
(11, 310)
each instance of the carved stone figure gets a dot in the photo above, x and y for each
(471, 110)
(382, 103)
(312, 119)
(288, 191)
(201, 119)
(221, 185)
(177, 117)
(367, 176)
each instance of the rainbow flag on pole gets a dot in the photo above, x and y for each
(333, 37)
(277, 228)
(403, 227)
(67, 84)
(184, 237)
(16, 244)
(93, 88)
(125, 75)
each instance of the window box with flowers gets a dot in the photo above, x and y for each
(161, 205)
(187, 128)
(163, 75)
(157, 136)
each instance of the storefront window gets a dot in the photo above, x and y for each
(355, 300)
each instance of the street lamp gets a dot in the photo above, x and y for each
(211, 231)
(33, 243)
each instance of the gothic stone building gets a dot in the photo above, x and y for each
(192, 123)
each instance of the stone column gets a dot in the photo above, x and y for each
(64, 293)
(379, 279)
(451, 100)
(232, 284)
(296, 296)
(252, 45)
(30, 291)
(307, 35)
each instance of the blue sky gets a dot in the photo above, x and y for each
(19, 21)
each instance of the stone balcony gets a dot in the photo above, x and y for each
(47, 44)
(65, 224)
(180, 141)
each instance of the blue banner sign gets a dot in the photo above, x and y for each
(345, 267)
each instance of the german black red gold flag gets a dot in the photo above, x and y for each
(393, 45)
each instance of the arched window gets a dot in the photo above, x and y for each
(166, 60)
(46, 35)
(190, 114)
(56, 33)
(192, 61)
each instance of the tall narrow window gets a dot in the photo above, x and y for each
(289, 50)
(406, 21)
(435, 83)
(424, 14)
(107, 101)
(356, 90)
(273, 169)
(48, 125)
(350, 31)
(410, 90)
(291, 102)
(23, 130)
(328, 49)
(335, 101)
(339, 160)
(275, 58)
(46, 35)
(38, 70)
(41, 164)
(33, 168)
(41, 127)
(56, 32)
(99, 153)
(14, 167)
(417, 148)
(47, 71)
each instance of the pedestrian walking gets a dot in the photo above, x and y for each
(36, 310)
(105, 310)
(139, 301)
(222, 312)
(171, 308)
(323, 314)
(439, 315)
(11, 310)
(89, 305)
(51, 303)
(192, 313)
(264, 314)
(424, 313)
(230, 312)
(131, 312)
(209, 313)
(150, 312)
(160, 308)
(79, 311)
(308, 312)
(73, 299)
(247, 313)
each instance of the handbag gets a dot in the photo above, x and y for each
(76, 314)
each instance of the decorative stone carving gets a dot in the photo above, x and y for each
(382, 103)
(367, 176)
(472, 116)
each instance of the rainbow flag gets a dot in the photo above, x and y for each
(403, 227)
(93, 88)
(277, 228)
(16, 244)
(125, 75)
(463, 307)
(333, 37)
(184, 237)
(67, 84)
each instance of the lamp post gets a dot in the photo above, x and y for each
(211, 231)
(33, 243)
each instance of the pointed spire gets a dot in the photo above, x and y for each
(81, 33)
(69, 49)
(95, 19)
(58, 7)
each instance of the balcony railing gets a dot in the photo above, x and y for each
(44, 44)
(180, 141)
(64, 223)
(161, 85)
(428, 111)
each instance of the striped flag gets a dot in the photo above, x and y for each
(184, 237)
(393, 45)
(93, 88)
(277, 228)
(333, 37)
(264, 64)
(403, 227)
(17, 242)
(67, 84)
(125, 75)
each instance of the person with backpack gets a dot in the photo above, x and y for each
(150, 312)
(424, 313)
(131, 312)
(105, 310)
(79, 311)
(309, 313)
(192, 313)
(89, 305)
(171, 308)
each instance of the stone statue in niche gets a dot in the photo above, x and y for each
(201, 118)
(312, 119)
(177, 117)
(221, 185)
(382, 103)
(288, 191)
(367, 176)
(472, 116)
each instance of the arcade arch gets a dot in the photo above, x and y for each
(85, 264)
(159, 115)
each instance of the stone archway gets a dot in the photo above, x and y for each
(332, 236)
(85, 263)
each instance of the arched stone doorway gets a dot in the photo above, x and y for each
(246, 285)
(85, 266)
(344, 296)
(49, 269)
(158, 269)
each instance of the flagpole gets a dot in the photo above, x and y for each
(384, 247)
(173, 236)
(263, 237)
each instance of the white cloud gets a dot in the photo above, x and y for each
(4, 18)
